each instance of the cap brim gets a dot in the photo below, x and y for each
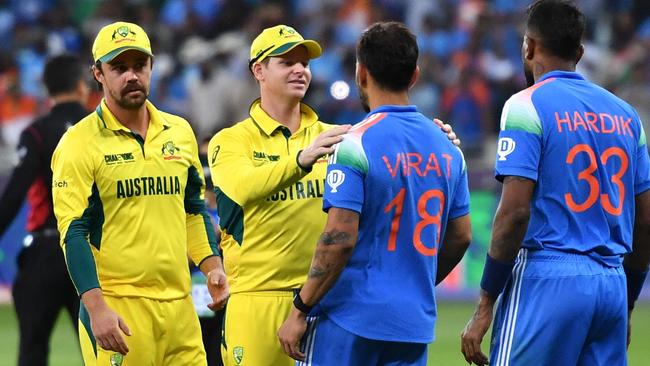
(111, 55)
(314, 50)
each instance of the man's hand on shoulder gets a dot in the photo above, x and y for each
(446, 128)
(321, 146)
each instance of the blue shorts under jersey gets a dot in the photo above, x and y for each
(399, 171)
(332, 345)
(561, 309)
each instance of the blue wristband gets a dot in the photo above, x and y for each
(495, 276)
(635, 280)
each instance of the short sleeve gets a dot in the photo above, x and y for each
(460, 202)
(520, 141)
(642, 174)
(344, 184)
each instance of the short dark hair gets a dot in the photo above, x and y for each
(390, 53)
(559, 25)
(62, 74)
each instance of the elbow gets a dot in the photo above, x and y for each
(519, 216)
(465, 240)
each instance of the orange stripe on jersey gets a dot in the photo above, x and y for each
(362, 126)
(528, 92)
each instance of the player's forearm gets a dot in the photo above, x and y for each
(202, 242)
(235, 178)
(455, 244)
(639, 258)
(508, 232)
(93, 300)
(511, 218)
(211, 263)
(332, 253)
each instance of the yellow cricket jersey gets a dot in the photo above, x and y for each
(130, 210)
(270, 210)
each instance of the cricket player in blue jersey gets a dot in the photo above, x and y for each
(575, 212)
(398, 222)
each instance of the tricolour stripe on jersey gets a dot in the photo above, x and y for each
(519, 112)
(508, 330)
(310, 335)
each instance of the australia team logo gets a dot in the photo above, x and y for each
(335, 178)
(170, 151)
(238, 354)
(505, 147)
(117, 359)
(123, 32)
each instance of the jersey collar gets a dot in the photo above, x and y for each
(393, 108)
(562, 75)
(307, 118)
(109, 121)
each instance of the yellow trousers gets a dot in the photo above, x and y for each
(162, 333)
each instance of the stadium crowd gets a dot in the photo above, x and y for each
(470, 57)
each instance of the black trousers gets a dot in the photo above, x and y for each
(211, 329)
(41, 289)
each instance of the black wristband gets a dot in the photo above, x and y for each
(297, 302)
(306, 170)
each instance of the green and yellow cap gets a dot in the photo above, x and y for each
(118, 37)
(278, 40)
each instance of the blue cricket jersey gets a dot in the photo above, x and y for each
(399, 171)
(586, 150)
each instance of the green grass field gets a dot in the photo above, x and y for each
(445, 351)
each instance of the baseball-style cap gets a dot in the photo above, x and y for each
(118, 37)
(279, 40)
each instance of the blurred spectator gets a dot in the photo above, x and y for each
(198, 78)
(217, 98)
(17, 109)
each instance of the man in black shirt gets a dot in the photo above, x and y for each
(42, 286)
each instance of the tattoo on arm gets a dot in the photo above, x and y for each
(323, 258)
(316, 271)
(333, 237)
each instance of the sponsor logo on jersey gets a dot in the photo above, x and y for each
(260, 155)
(170, 150)
(215, 152)
(335, 178)
(122, 158)
(505, 147)
(59, 183)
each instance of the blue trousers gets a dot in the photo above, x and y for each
(327, 344)
(561, 309)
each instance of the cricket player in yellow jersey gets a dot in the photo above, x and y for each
(128, 197)
(268, 172)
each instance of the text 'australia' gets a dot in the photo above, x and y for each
(148, 186)
(300, 190)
